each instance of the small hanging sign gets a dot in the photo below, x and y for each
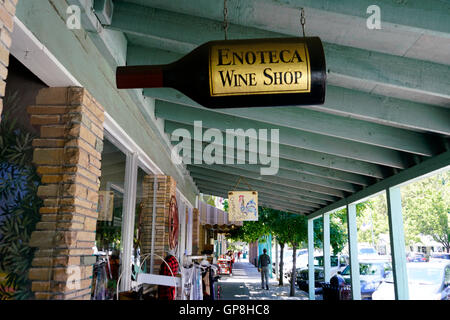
(243, 205)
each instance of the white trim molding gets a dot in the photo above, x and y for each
(114, 129)
(26, 48)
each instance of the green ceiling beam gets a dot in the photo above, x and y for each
(341, 101)
(263, 201)
(288, 165)
(426, 167)
(307, 195)
(275, 179)
(308, 156)
(343, 63)
(288, 136)
(236, 176)
(291, 175)
(269, 196)
(332, 125)
(257, 185)
(339, 127)
(357, 105)
(427, 17)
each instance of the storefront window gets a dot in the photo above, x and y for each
(139, 228)
(109, 224)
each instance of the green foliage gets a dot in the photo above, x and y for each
(19, 210)
(292, 229)
(426, 206)
(225, 205)
(252, 231)
(373, 218)
(338, 234)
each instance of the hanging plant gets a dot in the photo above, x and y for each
(19, 206)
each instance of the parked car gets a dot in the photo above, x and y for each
(367, 252)
(440, 256)
(426, 281)
(371, 273)
(301, 261)
(338, 263)
(416, 257)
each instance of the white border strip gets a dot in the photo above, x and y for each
(184, 199)
(26, 48)
(123, 138)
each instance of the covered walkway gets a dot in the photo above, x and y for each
(245, 284)
(385, 122)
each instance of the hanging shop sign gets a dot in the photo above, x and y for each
(243, 205)
(241, 73)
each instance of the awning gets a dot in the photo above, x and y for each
(216, 219)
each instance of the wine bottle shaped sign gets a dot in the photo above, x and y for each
(241, 73)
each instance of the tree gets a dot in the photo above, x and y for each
(297, 233)
(338, 234)
(426, 206)
(276, 220)
(373, 221)
(252, 231)
(289, 229)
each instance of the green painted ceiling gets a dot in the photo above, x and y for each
(387, 108)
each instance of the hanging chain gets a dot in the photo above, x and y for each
(225, 18)
(242, 178)
(303, 20)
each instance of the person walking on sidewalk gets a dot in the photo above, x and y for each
(263, 267)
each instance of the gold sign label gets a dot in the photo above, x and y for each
(263, 68)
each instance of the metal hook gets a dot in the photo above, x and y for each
(302, 20)
(225, 19)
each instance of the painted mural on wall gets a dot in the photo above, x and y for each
(243, 205)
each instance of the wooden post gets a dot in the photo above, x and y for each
(353, 250)
(129, 219)
(326, 247)
(311, 280)
(396, 234)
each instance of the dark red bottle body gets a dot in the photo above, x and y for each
(241, 73)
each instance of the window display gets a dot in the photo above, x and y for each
(109, 246)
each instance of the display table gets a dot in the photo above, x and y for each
(224, 266)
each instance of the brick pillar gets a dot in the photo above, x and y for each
(7, 13)
(195, 232)
(166, 188)
(67, 156)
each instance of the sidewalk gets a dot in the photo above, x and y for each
(245, 284)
